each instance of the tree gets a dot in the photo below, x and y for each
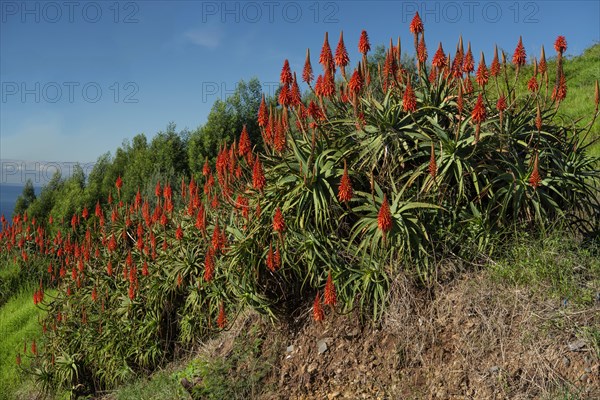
(224, 124)
(26, 198)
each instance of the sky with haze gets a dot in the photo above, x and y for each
(78, 77)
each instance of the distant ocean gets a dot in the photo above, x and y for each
(8, 197)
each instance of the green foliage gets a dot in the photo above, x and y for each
(18, 320)
(143, 274)
(236, 375)
(26, 198)
(555, 263)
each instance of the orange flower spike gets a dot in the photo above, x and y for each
(439, 58)
(263, 115)
(432, 162)
(479, 114)
(542, 65)
(416, 25)
(221, 319)
(245, 145)
(318, 314)
(384, 218)
(519, 56)
(495, 67)
(409, 100)
(258, 177)
(286, 74)
(560, 45)
(482, 75)
(341, 54)
(307, 72)
(326, 57)
(422, 52)
(345, 188)
(278, 222)
(330, 294)
(535, 179)
(468, 62)
(363, 44)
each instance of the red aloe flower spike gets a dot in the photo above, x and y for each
(209, 265)
(519, 56)
(416, 25)
(356, 82)
(501, 106)
(245, 146)
(560, 91)
(432, 162)
(409, 100)
(263, 116)
(495, 67)
(330, 295)
(542, 66)
(439, 58)
(158, 190)
(179, 233)
(295, 96)
(318, 314)
(258, 177)
(307, 73)
(283, 95)
(468, 63)
(363, 44)
(478, 115)
(270, 258)
(278, 222)
(286, 74)
(535, 179)
(538, 118)
(328, 87)
(422, 52)
(341, 55)
(345, 188)
(119, 183)
(221, 319)
(482, 75)
(326, 57)
(319, 86)
(384, 218)
(532, 84)
(560, 45)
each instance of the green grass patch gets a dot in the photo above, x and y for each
(555, 263)
(162, 385)
(18, 321)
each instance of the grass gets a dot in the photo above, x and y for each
(18, 320)
(162, 385)
(555, 263)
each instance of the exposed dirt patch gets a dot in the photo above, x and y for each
(474, 340)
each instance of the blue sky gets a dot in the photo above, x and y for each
(79, 77)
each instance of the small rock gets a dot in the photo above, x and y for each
(566, 362)
(321, 346)
(584, 378)
(290, 349)
(576, 345)
(333, 395)
(588, 370)
(494, 369)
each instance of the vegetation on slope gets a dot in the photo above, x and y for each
(377, 175)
